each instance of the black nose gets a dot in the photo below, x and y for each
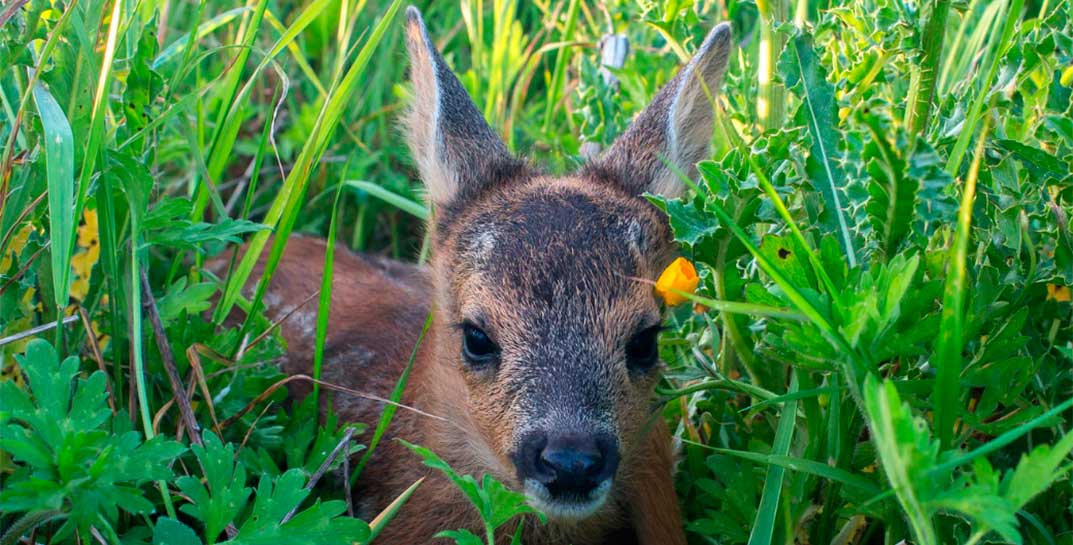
(567, 463)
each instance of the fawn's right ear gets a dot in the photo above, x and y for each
(456, 151)
(675, 130)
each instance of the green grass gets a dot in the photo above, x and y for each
(881, 348)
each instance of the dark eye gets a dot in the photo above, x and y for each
(477, 348)
(642, 352)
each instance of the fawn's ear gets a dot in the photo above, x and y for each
(456, 151)
(676, 127)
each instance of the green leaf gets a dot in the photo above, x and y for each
(979, 504)
(805, 75)
(688, 222)
(806, 466)
(180, 298)
(892, 192)
(1041, 165)
(495, 503)
(58, 429)
(461, 537)
(168, 224)
(226, 495)
(172, 532)
(905, 449)
(59, 167)
(948, 358)
(1036, 472)
(415, 209)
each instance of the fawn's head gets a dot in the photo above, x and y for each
(553, 333)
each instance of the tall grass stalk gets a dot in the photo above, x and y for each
(324, 303)
(926, 74)
(555, 89)
(1000, 44)
(951, 342)
(771, 96)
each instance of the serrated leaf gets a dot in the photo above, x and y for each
(689, 224)
(320, 524)
(77, 467)
(1036, 471)
(226, 495)
(905, 450)
(804, 74)
(892, 193)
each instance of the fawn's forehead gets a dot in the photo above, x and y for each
(563, 238)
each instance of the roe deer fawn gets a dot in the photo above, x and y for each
(542, 357)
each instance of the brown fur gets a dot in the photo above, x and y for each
(549, 267)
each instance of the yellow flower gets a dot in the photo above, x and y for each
(679, 275)
(18, 242)
(1058, 293)
(83, 262)
(87, 232)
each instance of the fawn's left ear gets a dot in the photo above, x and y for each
(676, 127)
(456, 151)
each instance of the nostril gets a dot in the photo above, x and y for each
(572, 463)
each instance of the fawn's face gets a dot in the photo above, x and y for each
(542, 278)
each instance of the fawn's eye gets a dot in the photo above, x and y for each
(477, 348)
(642, 352)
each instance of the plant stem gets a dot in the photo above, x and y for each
(922, 88)
(1011, 16)
(770, 100)
(951, 341)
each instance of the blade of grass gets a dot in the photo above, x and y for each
(97, 115)
(413, 208)
(180, 44)
(957, 154)
(857, 363)
(1002, 440)
(396, 397)
(295, 182)
(559, 72)
(813, 259)
(377, 524)
(735, 307)
(324, 304)
(55, 37)
(720, 384)
(766, 513)
(888, 419)
(792, 463)
(59, 172)
(948, 347)
(138, 254)
(229, 116)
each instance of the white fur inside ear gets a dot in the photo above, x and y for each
(422, 119)
(690, 119)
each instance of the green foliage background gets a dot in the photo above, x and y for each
(881, 346)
